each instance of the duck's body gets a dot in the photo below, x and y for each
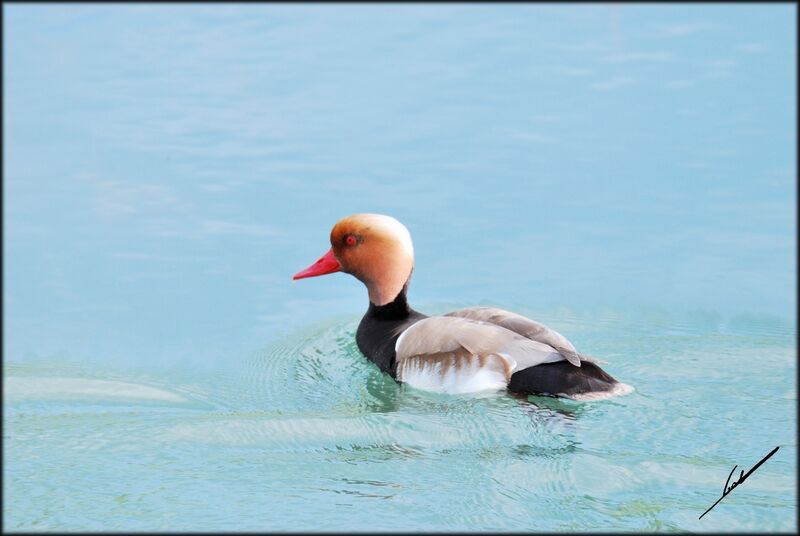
(468, 350)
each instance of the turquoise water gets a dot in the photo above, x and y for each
(624, 174)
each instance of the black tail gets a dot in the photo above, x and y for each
(562, 378)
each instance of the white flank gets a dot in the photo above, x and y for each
(470, 377)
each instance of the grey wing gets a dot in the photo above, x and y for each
(527, 328)
(466, 337)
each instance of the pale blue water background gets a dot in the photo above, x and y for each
(625, 174)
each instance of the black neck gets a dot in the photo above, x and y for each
(379, 329)
(397, 309)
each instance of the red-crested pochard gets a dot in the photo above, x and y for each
(468, 350)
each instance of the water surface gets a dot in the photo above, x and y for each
(625, 174)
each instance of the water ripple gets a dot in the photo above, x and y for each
(270, 420)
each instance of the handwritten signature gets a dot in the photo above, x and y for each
(742, 477)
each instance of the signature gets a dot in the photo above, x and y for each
(742, 477)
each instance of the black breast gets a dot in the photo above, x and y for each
(381, 326)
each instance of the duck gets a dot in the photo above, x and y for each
(469, 350)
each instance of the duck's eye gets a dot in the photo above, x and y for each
(350, 240)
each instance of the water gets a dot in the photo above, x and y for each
(624, 174)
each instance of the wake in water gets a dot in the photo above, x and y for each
(310, 418)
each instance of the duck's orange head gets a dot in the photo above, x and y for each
(374, 248)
